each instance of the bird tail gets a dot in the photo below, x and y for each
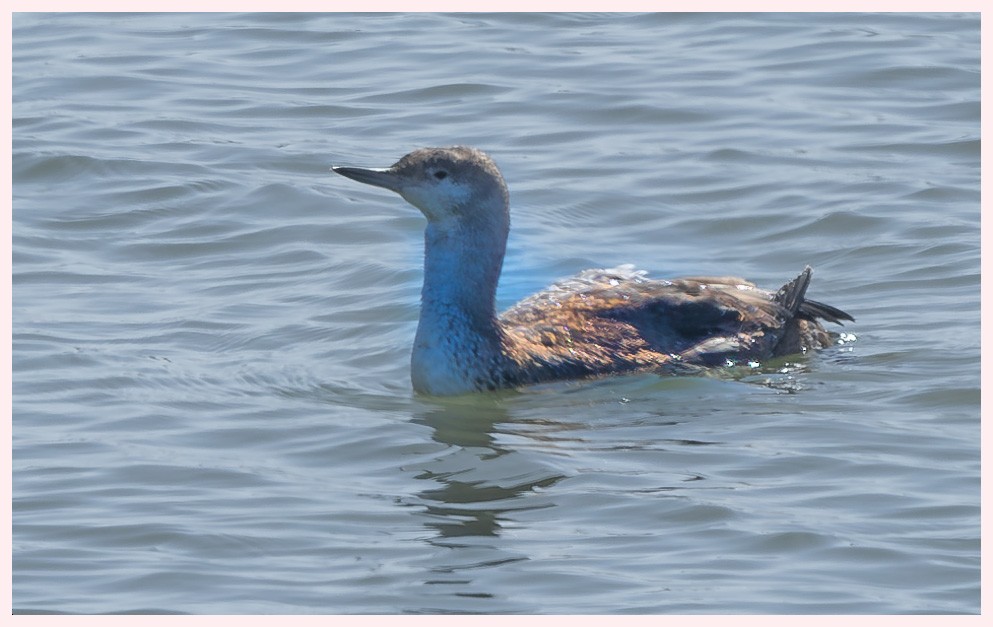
(791, 297)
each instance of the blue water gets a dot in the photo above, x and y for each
(212, 410)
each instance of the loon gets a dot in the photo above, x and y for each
(600, 322)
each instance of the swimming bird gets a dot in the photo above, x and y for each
(599, 322)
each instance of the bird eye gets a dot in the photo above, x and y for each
(440, 175)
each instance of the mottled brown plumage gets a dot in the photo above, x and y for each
(616, 321)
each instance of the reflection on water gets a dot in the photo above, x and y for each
(475, 490)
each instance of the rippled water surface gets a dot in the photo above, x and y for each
(211, 334)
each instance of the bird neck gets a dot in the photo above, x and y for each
(459, 340)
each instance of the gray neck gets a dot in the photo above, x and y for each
(458, 342)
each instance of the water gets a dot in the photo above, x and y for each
(211, 404)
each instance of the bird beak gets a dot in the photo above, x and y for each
(380, 177)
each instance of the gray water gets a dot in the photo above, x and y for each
(212, 410)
